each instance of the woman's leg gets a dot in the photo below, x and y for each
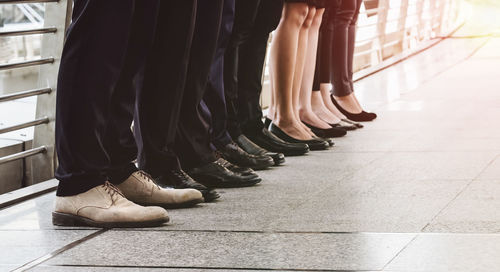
(345, 97)
(283, 62)
(306, 111)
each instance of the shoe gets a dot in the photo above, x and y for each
(178, 179)
(244, 171)
(327, 133)
(269, 141)
(344, 125)
(234, 154)
(141, 189)
(216, 175)
(314, 144)
(358, 117)
(251, 148)
(267, 122)
(104, 206)
(358, 125)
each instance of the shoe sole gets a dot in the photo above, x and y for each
(69, 220)
(172, 206)
(216, 183)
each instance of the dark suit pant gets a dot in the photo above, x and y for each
(102, 61)
(244, 62)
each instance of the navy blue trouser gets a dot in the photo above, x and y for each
(109, 45)
(214, 103)
(244, 63)
(193, 141)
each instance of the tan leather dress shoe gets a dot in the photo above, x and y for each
(141, 189)
(105, 206)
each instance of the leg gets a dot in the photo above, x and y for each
(158, 106)
(283, 61)
(88, 75)
(252, 55)
(214, 98)
(244, 21)
(307, 113)
(192, 143)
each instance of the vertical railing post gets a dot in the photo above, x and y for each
(381, 26)
(403, 11)
(56, 14)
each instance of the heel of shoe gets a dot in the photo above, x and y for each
(62, 219)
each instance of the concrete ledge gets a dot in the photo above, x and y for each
(26, 193)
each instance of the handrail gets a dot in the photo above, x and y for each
(27, 63)
(44, 30)
(39, 121)
(24, 154)
(23, 94)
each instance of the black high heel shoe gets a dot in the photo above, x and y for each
(332, 132)
(358, 117)
(358, 125)
(314, 143)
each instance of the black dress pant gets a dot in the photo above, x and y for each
(192, 142)
(336, 46)
(214, 102)
(103, 59)
(159, 102)
(244, 62)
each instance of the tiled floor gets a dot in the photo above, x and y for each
(416, 190)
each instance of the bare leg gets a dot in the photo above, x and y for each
(325, 90)
(283, 62)
(305, 108)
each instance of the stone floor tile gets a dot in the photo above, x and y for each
(238, 250)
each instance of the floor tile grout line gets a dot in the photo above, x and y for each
(401, 251)
(56, 252)
(460, 193)
(213, 268)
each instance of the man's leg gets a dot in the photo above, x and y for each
(215, 101)
(193, 138)
(93, 59)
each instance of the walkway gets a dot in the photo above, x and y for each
(417, 190)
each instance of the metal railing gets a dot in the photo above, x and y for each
(394, 27)
(56, 19)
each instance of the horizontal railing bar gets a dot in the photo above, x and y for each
(22, 155)
(44, 30)
(26, 63)
(23, 94)
(36, 122)
(26, 1)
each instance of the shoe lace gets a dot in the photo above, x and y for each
(112, 190)
(147, 178)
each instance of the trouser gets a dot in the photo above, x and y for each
(336, 46)
(159, 103)
(214, 103)
(102, 60)
(244, 63)
(192, 142)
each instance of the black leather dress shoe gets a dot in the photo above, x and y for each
(235, 168)
(215, 175)
(327, 133)
(269, 141)
(251, 148)
(234, 154)
(358, 117)
(314, 144)
(178, 179)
